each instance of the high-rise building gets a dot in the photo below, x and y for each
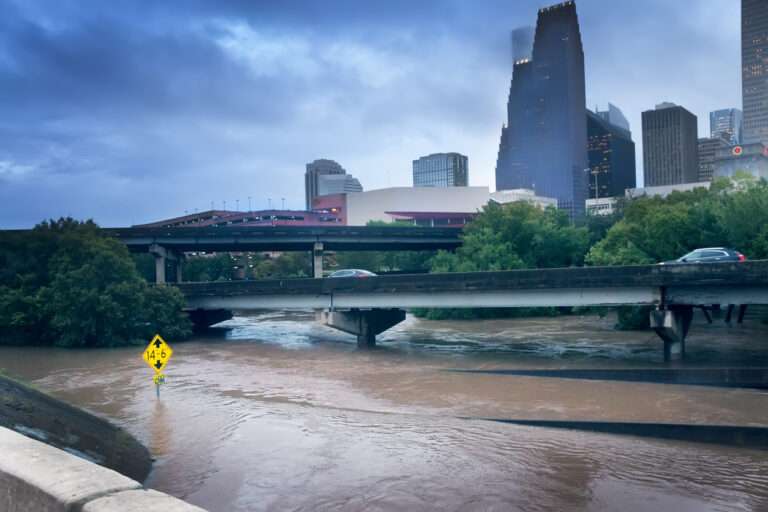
(543, 146)
(611, 154)
(670, 146)
(522, 43)
(707, 150)
(337, 184)
(321, 167)
(726, 124)
(748, 158)
(754, 70)
(614, 115)
(441, 170)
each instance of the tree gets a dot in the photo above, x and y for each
(73, 286)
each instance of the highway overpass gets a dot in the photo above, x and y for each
(172, 243)
(366, 307)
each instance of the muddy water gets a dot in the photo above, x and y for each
(280, 414)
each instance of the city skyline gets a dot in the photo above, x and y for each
(119, 141)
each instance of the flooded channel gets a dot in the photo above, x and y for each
(278, 413)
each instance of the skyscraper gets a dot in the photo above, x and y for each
(670, 146)
(611, 154)
(726, 123)
(708, 148)
(544, 143)
(328, 184)
(754, 70)
(441, 170)
(321, 167)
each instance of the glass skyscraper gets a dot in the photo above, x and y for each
(441, 170)
(611, 154)
(754, 70)
(544, 143)
(726, 124)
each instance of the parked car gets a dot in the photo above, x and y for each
(708, 255)
(352, 272)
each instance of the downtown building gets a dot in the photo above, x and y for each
(754, 70)
(611, 154)
(325, 177)
(726, 124)
(543, 146)
(670, 146)
(441, 170)
(708, 149)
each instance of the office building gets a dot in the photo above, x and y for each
(614, 116)
(522, 194)
(754, 70)
(543, 145)
(611, 154)
(664, 190)
(441, 170)
(726, 124)
(337, 184)
(522, 43)
(312, 178)
(670, 146)
(707, 149)
(749, 158)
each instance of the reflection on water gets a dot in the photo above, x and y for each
(281, 414)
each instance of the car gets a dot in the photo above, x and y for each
(708, 255)
(352, 272)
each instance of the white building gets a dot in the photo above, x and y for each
(665, 190)
(602, 206)
(522, 194)
(389, 204)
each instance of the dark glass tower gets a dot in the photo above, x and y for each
(754, 70)
(544, 144)
(611, 155)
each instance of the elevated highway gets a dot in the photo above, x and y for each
(172, 243)
(362, 306)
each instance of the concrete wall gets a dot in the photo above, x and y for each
(40, 478)
(373, 205)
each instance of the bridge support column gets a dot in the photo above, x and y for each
(365, 324)
(162, 255)
(672, 326)
(317, 260)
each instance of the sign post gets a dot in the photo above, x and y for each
(157, 354)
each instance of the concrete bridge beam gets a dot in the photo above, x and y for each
(365, 324)
(672, 326)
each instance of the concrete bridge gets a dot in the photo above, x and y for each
(367, 307)
(171, 243)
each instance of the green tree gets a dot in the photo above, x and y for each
(73, 286)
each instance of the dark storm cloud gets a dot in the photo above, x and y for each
(128, 111)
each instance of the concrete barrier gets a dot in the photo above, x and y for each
(41, 478)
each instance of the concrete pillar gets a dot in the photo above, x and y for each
(179, 277)
(317, 260)
(365, 324)
(159, 269)
(672, 326)
(161, 255)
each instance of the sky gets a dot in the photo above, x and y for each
(132, 111)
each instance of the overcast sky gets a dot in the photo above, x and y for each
(126, 112)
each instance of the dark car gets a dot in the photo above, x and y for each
(708, 255)
(352, 272)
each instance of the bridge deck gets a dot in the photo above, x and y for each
(724, 283)
(286, 238)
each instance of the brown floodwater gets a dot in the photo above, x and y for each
(278, 413)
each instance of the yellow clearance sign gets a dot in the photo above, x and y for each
(157, 354)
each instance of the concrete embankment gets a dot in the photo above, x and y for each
(40, 478)
(44, 418)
